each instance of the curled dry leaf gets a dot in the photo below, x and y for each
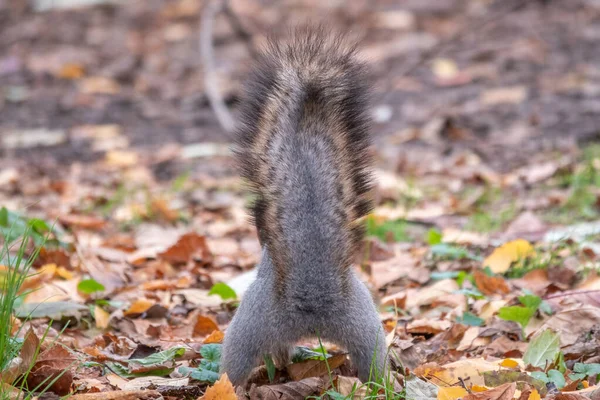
(24, 361)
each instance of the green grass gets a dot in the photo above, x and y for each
(387, 231)
(490, 213)
(583, 183)
(12, 278)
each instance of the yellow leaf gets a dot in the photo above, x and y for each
(502, 257)
(221, 390)
(139, 306)
(477, 388)
(451, 393)
(101, 317)
(64, 273)
(508, 363)
(534, 395)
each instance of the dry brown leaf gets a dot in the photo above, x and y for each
(314, 368)
(428, 326)
(190, 245)
(289, 391)
(504, 392)
(489, 285)
(586, 317)
(347, 386)
(204, 326)
(82, 221)
(19, 365)
(221, 390)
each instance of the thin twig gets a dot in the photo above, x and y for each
(211, 9)
(238, 28)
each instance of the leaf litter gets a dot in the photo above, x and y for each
(486, 291)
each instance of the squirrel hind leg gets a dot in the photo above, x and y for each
(247, 337)
(360, 331)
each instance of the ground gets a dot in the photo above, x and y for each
(482, 250)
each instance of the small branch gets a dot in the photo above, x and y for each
(238, 28)
(211, 9)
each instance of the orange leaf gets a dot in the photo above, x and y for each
(509, 363)
(490, 284)
(215, 337)
(451, 393)
(204, 326)
(71, 71)
(221, 390)
(139, 306)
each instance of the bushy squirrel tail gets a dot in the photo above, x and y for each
(303, 145)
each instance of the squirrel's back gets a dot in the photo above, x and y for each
(303, 148)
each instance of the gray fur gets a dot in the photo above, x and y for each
(303, 149)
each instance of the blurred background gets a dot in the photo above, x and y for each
(504, 78)
(476, 101)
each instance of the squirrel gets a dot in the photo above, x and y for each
(303, 147)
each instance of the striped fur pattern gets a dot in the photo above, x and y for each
(311, 87)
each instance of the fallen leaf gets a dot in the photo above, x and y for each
(19, 365)
(216, 336)
(82, 221)
(314, 368)
(543, 349)
(71, 71)
(451, 393)
(139, 306)
(289, 391)
(188, 246)
(502, 257)
(204, 326)
(489, 285)
(101, 317)
(504, 392)
(417, 389)
(509, 363)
